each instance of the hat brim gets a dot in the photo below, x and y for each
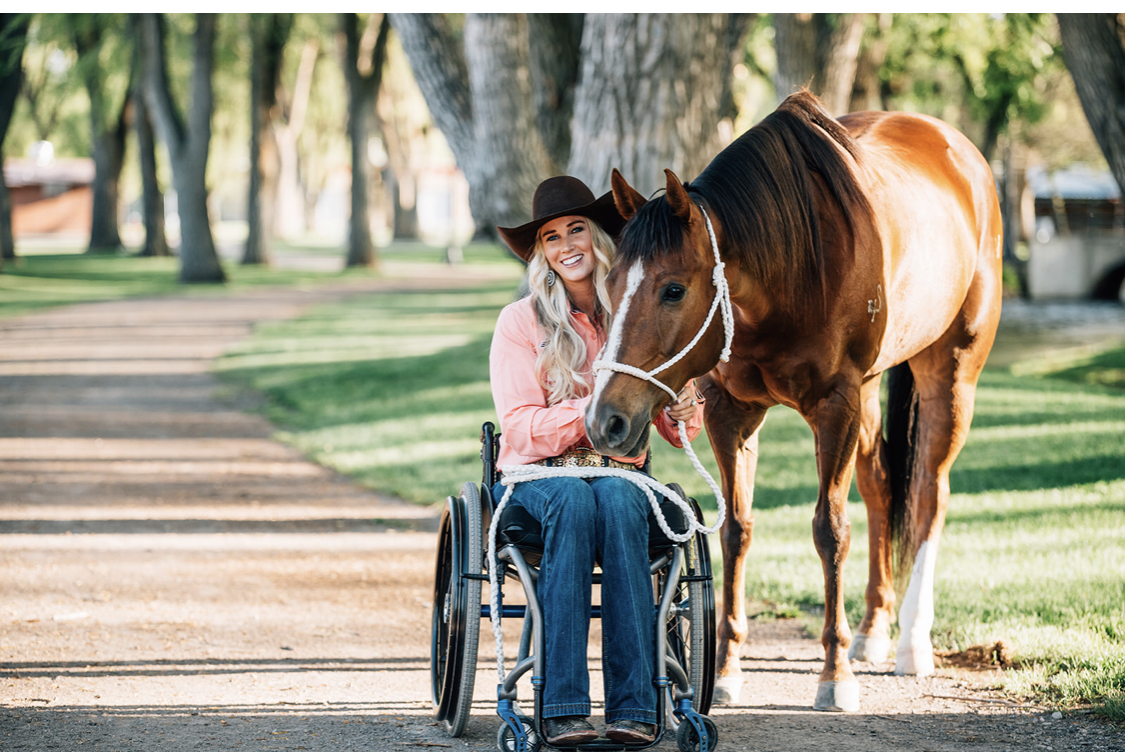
(602, 210)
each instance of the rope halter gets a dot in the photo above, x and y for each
(721, 302)
(514, 474)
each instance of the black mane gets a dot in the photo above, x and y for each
(761, 188)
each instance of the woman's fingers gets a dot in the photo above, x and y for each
(685, 404)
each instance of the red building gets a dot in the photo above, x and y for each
(53, 198)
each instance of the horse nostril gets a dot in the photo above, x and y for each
(616, 429)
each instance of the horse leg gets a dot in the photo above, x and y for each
(733, 432)
(872, 641)
(945, 376)
(836, 424)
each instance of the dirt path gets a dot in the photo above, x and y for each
(173, 579)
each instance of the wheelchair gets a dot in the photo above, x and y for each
(684, 603)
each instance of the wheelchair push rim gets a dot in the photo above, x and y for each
(690, 631)
(456, 610)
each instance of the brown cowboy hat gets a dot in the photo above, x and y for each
(560, 197)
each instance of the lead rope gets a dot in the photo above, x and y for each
(514, 474)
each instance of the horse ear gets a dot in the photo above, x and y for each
(678, 197)
(628, 201)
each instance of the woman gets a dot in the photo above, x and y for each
(541, 371)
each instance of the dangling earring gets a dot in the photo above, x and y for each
(550, 278)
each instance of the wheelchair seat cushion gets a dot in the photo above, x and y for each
(518, 528)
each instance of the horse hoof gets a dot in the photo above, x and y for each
(840, 696)
(727, 690)
(915, 661)
(870, 649)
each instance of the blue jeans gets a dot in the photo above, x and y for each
(606, 519)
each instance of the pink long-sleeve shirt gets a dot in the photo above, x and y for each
(532, 430)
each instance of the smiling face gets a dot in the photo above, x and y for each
(568, 247)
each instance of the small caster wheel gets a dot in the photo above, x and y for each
(506, 740)
(687, 738)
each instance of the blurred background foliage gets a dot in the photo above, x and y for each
(1000, 78)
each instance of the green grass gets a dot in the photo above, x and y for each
(44, 280)
(45, 276)
(1102, 367)
(392, 389)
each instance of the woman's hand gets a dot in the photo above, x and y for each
(687, 402)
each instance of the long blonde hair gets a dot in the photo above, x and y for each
(563, 355)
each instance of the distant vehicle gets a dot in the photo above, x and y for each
(1078, 248)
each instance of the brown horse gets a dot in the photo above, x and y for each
(850, 247)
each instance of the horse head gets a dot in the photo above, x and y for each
(664, 330)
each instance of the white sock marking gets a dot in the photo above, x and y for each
(916, 617)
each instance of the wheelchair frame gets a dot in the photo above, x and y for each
(685, 639)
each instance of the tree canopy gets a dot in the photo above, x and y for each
(517, 97)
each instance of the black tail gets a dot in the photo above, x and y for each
(902, 445)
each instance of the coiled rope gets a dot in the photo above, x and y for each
(514, 474)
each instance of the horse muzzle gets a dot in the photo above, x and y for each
(613, 432)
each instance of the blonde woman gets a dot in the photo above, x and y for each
(542, 378)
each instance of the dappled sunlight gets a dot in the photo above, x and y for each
(427, 451)
(402, 408)
(146, 471)
(66, 336)
(211, 448)
(1054, 430)
(115, 367)
(357, 350)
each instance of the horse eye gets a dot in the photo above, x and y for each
(672, 293)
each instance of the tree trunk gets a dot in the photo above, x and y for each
(363, 75)
(188, 142)
(738, 28)
(837, 58)
(1092, 46)
(479, 94)
(649, 97)
(107, 141)
(290, 216)
(152, 198)
(404, 201)
(794, 42)
(554, 65)
(13, 38)
(438, 61)
(651, 91)
(269, 33)
(818, 50)
(7, 240)
(256, 242)
(506, 133)
(399, 176)
(109, 158)
(865, 90)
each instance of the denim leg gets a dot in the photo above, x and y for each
(566, 510)
(628, 603)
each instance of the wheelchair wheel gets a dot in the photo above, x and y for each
(687, 738)
(506, 740)
(691, 625)
(455, 625)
